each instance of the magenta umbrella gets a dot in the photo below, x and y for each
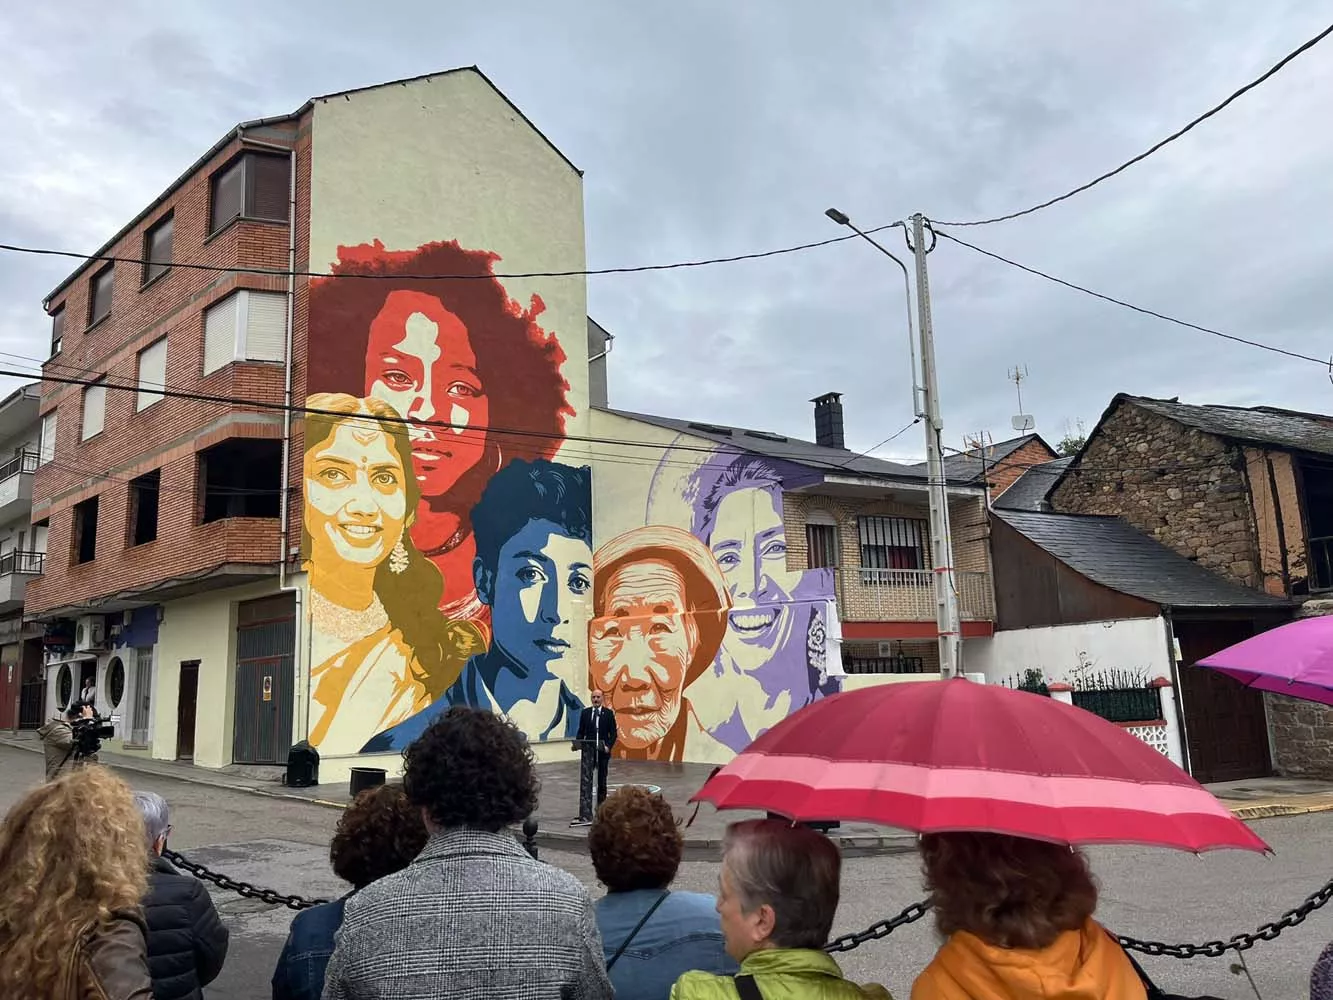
(1295, 659)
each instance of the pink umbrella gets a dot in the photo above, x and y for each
(1295, 659)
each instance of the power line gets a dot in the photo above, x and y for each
(378, 276)
(892, 437)
(1323, 363)
(1272, 71)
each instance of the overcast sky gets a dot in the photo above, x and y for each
(709, 129)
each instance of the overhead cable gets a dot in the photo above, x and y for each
(1272, 71)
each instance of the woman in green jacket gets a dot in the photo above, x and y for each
(778, 893)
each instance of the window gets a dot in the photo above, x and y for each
(85, 531)
(99, 297)
(152, 373)
(57, 329)
(115, 681)
(157, 249)
(253, 186)
(245, 326)
(241, 477)
(890, 543)
(47, 449)
(144, 492)
(821, 543)
(94, 411)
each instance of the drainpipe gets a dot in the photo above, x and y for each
(301, 722)
(1177, 690)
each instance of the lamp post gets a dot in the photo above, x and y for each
(926, 404)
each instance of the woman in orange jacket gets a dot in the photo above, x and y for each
(1017, 918)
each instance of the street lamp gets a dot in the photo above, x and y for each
(926, 403)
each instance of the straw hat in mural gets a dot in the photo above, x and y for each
(705, 591)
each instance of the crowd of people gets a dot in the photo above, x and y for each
(444, 902)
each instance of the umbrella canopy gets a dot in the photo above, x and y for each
(953, 755)
(1295, 659)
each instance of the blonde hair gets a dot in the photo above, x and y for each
(71, 854)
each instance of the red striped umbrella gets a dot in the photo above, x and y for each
(939, 756)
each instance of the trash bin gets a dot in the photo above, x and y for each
(366, 777)
(302, 766)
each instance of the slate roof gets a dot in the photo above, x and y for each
(1030, 490)
(778, 446)
(1113, 553)
(967, 468)
(1265, 425)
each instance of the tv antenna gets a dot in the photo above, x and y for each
(1022, 422)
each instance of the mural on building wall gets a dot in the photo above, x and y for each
(473, 372)
(702, 636)
(449, 558)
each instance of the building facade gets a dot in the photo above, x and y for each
(1245, 493)
(22, 551)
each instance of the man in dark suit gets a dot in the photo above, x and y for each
(595, 737)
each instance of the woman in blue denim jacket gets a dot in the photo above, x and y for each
(650, 935)
(378, 834)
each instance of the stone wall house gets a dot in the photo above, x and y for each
(1244, 492)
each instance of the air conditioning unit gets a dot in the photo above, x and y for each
(89, 633)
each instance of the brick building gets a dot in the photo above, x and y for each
(1245, 493)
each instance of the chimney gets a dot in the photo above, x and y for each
(828, 420)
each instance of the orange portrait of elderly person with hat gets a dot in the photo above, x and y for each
(660, 609)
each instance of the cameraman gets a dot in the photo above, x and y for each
(58, 739)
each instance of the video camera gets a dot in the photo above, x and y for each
(89, 734)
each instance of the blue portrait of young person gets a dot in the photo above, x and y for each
(533, 530)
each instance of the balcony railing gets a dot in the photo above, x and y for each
(23, 462)
(886, 595)
(28, 563)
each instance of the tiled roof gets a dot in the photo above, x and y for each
(1030, 490)
(1113, 553)
(967, 468)
(778, 446)
(1257, 425)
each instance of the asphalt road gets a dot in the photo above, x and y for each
(1146, 893)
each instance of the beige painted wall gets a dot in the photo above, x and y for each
(448, 158)
(200, 628)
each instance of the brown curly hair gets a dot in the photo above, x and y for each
(380, 833)
(1011, 892)
(71, 855)
(471, 768)
(635, 843)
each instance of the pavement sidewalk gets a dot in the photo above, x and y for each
(1256, 798)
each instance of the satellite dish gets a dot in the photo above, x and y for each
(1023, 423)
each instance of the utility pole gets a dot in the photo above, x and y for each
(941, 538)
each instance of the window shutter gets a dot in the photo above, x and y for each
(47, 448)
(94, 410)
(268, 181)
(265, 327)
(152, 373)
(220, 333)
(228, 196)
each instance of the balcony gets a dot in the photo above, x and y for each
(16, 484)
(15, 570)
(908, 595)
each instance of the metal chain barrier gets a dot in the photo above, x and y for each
(882, 929)
(876, 931)
(1240, 942)
(244, 888)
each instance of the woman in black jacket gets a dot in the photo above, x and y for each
(187, 942)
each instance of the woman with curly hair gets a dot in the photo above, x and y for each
(72, 872)
(650, 935)
(474, 915)
(381, 649)
(1016, 915)
(471, 369)
(378, 834)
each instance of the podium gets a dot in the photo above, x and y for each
(588, 750)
